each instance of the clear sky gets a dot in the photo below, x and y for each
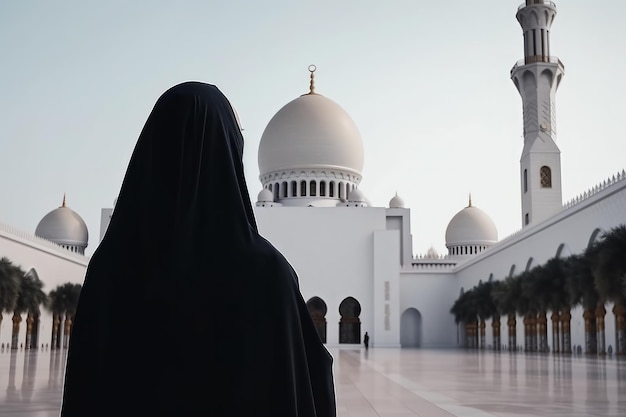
(427, 83)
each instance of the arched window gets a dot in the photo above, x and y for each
(331, 189)
(284, 188)
(276, 191)
(546, 177)
(294, 189)
(312, 188)
(303, 188)
(341, 190)
(525, 180)
(526, 219)
(322, 188)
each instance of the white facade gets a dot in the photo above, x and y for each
(355, 262)
(54, 264)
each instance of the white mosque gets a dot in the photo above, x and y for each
(357, 269)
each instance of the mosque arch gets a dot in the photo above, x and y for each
(318, 309)
(32, 337)
(548, 75)
(313, 188)
(276, 191)
(545, 174)
(294, 189)
(349, 323)
(529, 79)
(331, 189)
(512, 271)
(594, 236)
(563, 251)
(534, 18)
(529, 264)
(322, 188)
(411, 328)
(284, 188)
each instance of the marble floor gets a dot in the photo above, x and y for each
(387, 382)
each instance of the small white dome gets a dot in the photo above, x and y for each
(356, 196)
(64, 227)
(265, 195)
(471, 226)
(311, 132)
(432, 253)
(396, 202)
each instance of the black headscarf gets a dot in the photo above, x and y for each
(185, 309)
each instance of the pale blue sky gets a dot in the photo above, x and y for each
(427, 83)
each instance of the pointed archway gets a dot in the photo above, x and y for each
(317, 308)
(350, 323)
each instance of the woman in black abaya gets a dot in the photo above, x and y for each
(185, 309)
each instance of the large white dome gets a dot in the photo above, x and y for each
(471, 226)
(63, 226)
(311, 132)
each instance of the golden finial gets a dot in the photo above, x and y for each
(312, 69)
(470, 200)
(63, 205)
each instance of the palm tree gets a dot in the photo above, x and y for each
(63, 302)
(29, 300)
(534, 306)
(465, 311)
(486, 308)
(505, 294)
(582, 291)
(555, 280)
(9, 286)
(609, 272)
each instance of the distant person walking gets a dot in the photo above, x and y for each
(366, 340)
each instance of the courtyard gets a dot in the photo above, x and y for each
(390, 382)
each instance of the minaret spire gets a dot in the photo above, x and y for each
(63, 204)
(537, 78)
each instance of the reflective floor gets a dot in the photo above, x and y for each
(389, 382)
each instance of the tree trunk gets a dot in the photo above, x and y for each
(566, 332)
(512, 323)
(556, 331)
(534, 333)
(483, 339)
(67, 329)
(17, 319)
(527, 331)
(600, 313)
(620, 319)
(495, 325)
(542, 332)
(56, 322)
(591, 344)
(29, 330)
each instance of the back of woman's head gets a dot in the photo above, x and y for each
(184, 190)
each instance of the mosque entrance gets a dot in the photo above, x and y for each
(317, 309)
(350, 324)
(411, 328)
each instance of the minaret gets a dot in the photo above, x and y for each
(537, 78)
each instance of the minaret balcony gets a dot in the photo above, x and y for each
(531, 2)
(533, 59)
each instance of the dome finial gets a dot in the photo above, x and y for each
(63, 204)
(470, 200)
(312, 69)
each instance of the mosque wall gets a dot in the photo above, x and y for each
(568, 232)
(54, 266)
(432, 295)
(334, 255)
